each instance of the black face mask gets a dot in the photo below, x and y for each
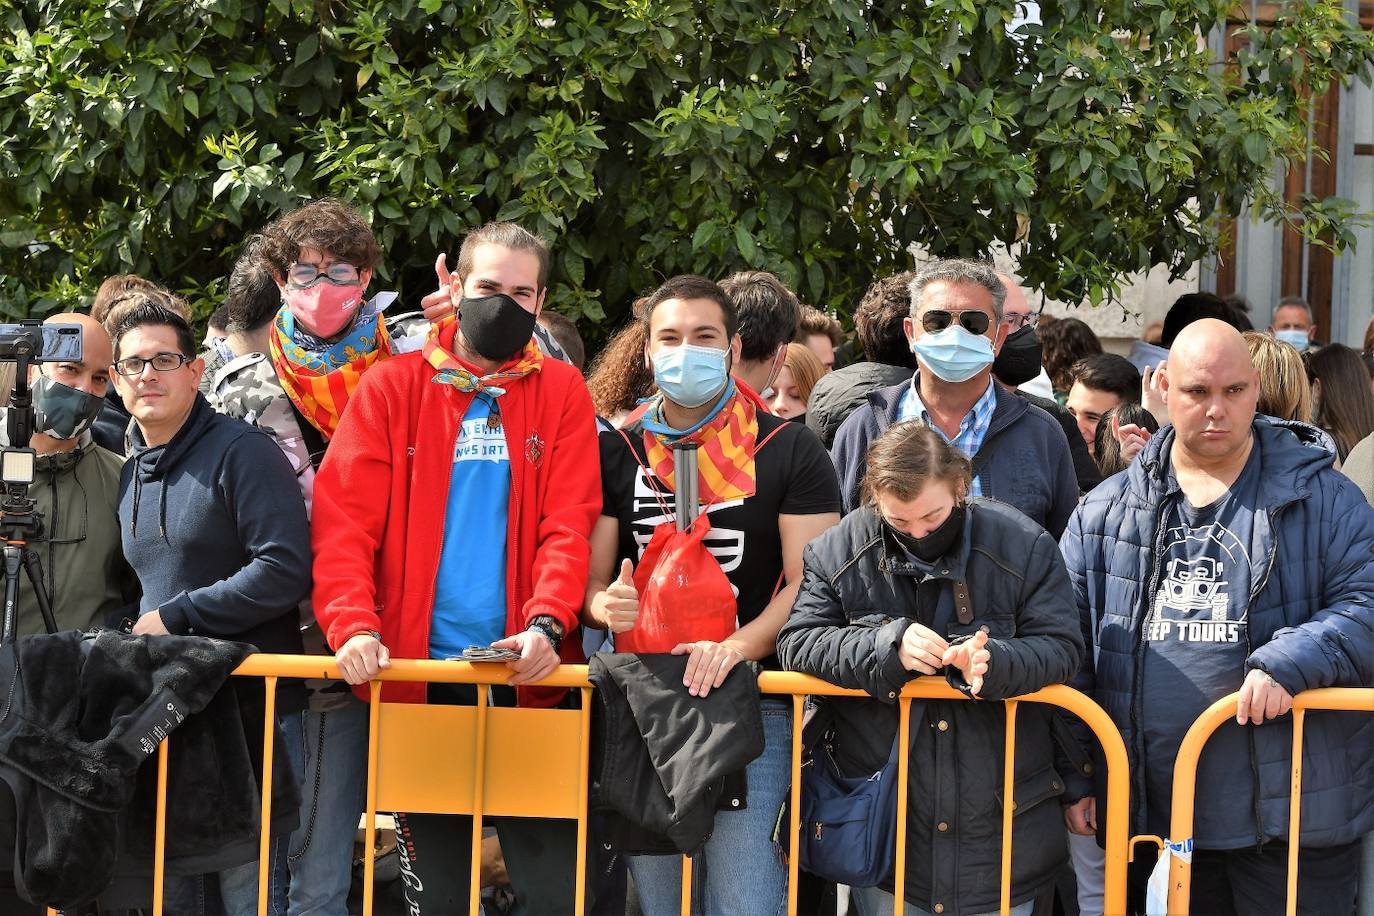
(1019, 359)
(938, 542)
(497, 327)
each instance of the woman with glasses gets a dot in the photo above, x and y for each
(925, 580)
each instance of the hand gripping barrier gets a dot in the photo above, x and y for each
(476, 760)
(1359, 699)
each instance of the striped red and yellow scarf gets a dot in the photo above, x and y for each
(438, 353)
(725, 452)
(321, 394)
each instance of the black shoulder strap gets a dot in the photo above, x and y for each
(314, 441)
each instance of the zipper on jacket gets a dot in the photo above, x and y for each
(1249, 650)
(1137, 694)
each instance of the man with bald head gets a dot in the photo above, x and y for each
(1231, 557)
(76, 491)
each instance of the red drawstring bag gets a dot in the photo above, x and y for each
(684, 595)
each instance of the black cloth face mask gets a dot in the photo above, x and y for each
(1019, 359)
(497, 327)
(938, 542)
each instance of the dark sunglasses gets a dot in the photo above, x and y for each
(975, 322)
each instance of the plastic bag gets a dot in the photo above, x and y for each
(684, 595)
(1157, 890)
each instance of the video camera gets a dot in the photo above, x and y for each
(25, 343)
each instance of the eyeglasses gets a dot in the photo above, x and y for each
(163, 362)
(973, 321)
(339, 273)
(1016, 322)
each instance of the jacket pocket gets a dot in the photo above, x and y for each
(1032, 789)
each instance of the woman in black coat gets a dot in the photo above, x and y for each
(878, 607)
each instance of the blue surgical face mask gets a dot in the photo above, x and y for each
(954, 354)
(1294, 337)
(690, 376)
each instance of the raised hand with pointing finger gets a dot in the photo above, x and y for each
(439, 304)
(617, 608)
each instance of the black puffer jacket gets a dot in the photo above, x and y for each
(859, 593)
(838, 394)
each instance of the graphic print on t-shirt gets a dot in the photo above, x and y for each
(1206, 572)
(725, 544)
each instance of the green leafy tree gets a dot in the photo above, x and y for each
(816, 138)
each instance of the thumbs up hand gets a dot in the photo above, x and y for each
(620, 601)
(971, 657)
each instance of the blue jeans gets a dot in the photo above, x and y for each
(874, 901)
(740, 872)
(234, 891)
(333, 795)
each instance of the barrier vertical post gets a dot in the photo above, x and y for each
(370, 823)
(479, 779)
(160, 828)
(1295, 812)
(269, 735)
(1008, 806)
(794, 821)
(903, 777)
(685, 892)
(583, 774)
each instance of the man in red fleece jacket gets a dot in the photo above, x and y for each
(454, 509)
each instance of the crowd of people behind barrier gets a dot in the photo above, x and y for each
(976, 491)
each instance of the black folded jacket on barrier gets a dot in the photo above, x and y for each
(81, 717)
(663, 761)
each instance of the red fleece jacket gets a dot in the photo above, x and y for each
(380, 496)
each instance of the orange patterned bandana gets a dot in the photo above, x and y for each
(319, 393)
(452, 372)
(725, 452)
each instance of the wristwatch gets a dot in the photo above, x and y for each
(550, 628)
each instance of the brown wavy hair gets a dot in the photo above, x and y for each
(619, 378)
(907, 457)
(327, 224)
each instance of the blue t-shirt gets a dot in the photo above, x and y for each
(1195, 637)
(470, 586)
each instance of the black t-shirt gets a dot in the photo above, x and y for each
(794, 476)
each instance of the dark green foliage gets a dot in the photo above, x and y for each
(815, 138)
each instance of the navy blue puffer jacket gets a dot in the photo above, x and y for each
(1311, 624)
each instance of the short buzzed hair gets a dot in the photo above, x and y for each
(769, 313)
(959, 270)
(507, 235)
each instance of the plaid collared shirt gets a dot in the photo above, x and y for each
(973, 429)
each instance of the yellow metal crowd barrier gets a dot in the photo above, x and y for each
(1358, 699)
(477, 760)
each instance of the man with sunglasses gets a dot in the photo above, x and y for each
(1020, 454)
(213, 524)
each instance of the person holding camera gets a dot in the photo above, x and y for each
(75, 491)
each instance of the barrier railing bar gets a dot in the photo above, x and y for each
(370, 825)
(798, 686)
(269, 735)
(794, 820)
(583, 774)
(160, 826)
(1295, 812)
(479, 787)
(903, 774)
(1190, 752)
(1008, 806)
